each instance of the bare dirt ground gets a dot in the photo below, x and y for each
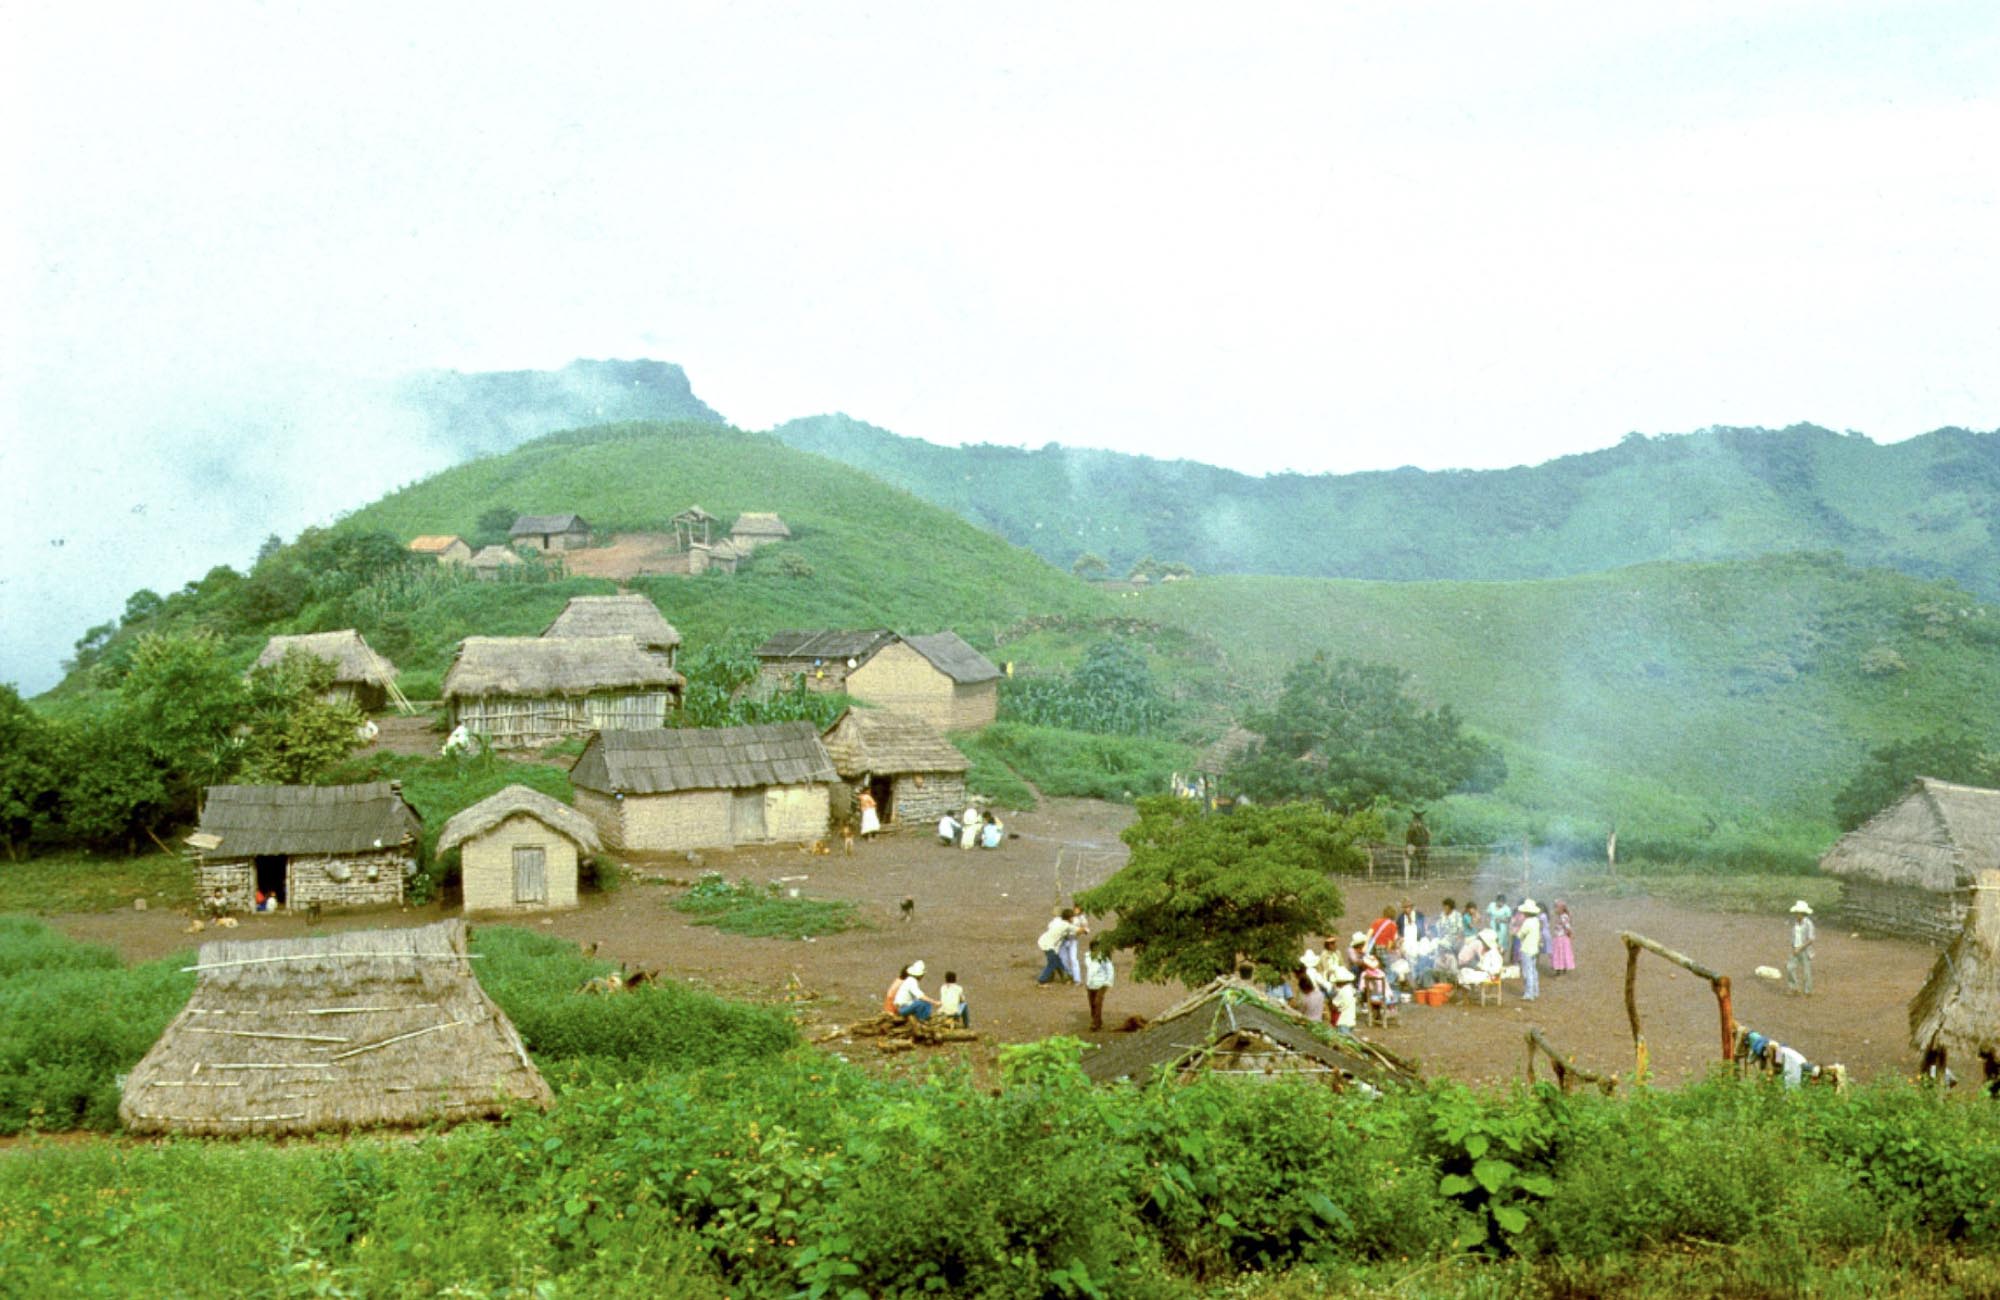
(630, 555)
(978, 913)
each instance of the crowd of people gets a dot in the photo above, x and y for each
(972, 829)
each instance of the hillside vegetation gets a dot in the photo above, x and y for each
(1929, 506)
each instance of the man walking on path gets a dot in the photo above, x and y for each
(1798, 971)
(1098, 976)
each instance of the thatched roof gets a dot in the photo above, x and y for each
(353, 659)
(1224, 1011)
(1235, 742)
(857, 645)
(1937, 837)
(630, 615)
(528, 525)
(863, 741)
(535, 668)
(950, 655)
(496, 808)
(364, 1029)
(493, 557)
(693, 515)
(244, 821)
(435, 543)
(755, 524)
(710, 758)
(1958, 1008)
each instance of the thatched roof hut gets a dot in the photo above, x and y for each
(716, 787)
(370, 1028)
(1907, 869)
(1228, 1028)
(754, 528)
(628, 615)
(913, 772)
(359, 674)
(517, 800)
(488, 561)
(1956, 1015)
(1234, 744)
(305, 845)
(721, 556)
(530, 690)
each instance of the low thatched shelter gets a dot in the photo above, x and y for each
(692, 526)
(360, 676)
(519, 851)
(1908, 869)
(702, 788)
(366, 1029)
(720, 556)
(445, 548)
(628, 615)
(754, 528)
(522, 691)
(1956, 1015)
(915, 774)
(550, 532)
(305, 845)
(487, 563)
(1229, 1028)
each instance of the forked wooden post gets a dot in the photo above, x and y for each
(1634, 944)
(1563, 1066)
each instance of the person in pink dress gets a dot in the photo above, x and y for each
(1562, 953)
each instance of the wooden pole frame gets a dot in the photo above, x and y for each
(1563, 1065)
(1718, 982)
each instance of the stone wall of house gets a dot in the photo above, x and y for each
(1901, 910)
(901, 679)
(369, 878)
(486, 865)
(778, 674)
(927, 796)
(236, 878)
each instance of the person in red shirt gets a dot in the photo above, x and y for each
(1382, 934)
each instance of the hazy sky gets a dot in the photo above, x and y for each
(1323, 237)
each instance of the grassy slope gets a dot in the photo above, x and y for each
(1716, 702)
(1925, 506)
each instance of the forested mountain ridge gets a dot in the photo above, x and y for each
(1929, 506)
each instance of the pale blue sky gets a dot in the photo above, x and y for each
(1319, 237)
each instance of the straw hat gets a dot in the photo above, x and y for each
(1802, 907)
(917, 969)
(1342, 975)
(1310, 961)
(1360, 936)
(1530, 908)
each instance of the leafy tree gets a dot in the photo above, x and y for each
(722, 691)
(1203, 891)
(1947, 755)
(183, 703)
(1348, 733)
(90, 647)
(493, 527)
(295, 733)
(142, 605)
(1148, 569)
(28, 776)
(111, 788)
(1090, 566)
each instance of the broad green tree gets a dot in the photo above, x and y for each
(28, 774)
(1946, 755)
(294, 732)
(1203, 891)
(183, 704)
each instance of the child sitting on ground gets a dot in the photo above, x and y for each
(951, 1002)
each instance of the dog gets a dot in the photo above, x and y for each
(847, 840)
(312, 913)
(909, 908)
(1771, 973)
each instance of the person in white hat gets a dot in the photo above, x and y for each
(1315, 971)
(1530, 939)
(1344, 1012)
(1798, 971)
(910, 997)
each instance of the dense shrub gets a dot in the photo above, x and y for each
(1080, 764)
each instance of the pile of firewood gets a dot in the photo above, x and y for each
(901, 1034)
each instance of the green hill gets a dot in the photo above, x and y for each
(1929, 506)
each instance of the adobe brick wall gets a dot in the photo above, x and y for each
(486, 863)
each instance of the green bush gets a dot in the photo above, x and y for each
(763, 911)
(1080, 764)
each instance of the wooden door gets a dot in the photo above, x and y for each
(531, 874)
(746, 821)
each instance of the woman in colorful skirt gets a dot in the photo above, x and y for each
(1562, 954)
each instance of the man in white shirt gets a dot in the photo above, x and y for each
(910, 998)
(1798, 971)
(1050, 943)
(1098, 976)
(1531, 950)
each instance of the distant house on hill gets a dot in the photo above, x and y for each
(444, 548)
(550, 532)
(490, 560)
(938, 678)
(518, 851)
(1234, 744)
(520, 691)
(914, 773)
(630, 615)
(689, 788)
(331, 845)
(331, 1033)
(753, 529)
(1910, 868)
(721, 555)
(359, 674)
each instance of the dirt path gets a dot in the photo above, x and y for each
(630, 555)
(978, 913)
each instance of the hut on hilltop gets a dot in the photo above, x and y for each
(721, 555)
(914, 773)
(754, 528)
(519, 851)
(487, 563)
(702, 788)
(305, 845)
(445, 548)
(1230, 1028)
(628, 615)
(1956, 1015)
(1908, 869)
(692, 527)
(550, 532)
(366, 1029)
(360, 676)
(520, 691)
